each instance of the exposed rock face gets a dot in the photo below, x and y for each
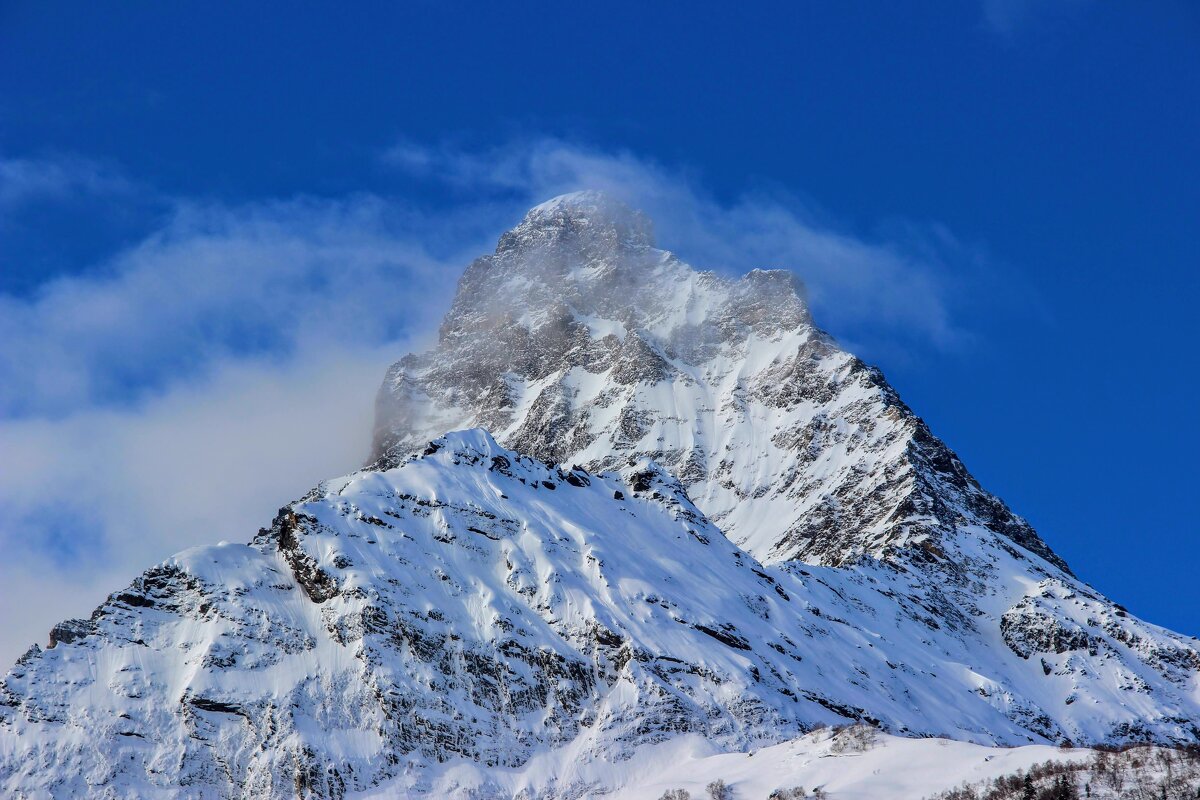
(577, 341)
(707, 519)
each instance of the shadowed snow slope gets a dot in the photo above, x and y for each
(463, 602)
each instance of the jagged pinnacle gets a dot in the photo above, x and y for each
(590, 215)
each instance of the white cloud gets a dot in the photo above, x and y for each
(23, 180)
(90, 500)
(218, 283)
(883, 293)
(196, 382)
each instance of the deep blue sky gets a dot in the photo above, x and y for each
(1061, 138)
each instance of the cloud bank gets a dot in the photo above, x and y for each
(181, 390)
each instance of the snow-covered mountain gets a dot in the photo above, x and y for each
(580, 342)
(698, 518)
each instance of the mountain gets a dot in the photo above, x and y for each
(669, 509)
(579, 341)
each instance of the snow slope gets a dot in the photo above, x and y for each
(471, 603)
(889, 767)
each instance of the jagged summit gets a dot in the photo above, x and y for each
(577, 340)
(588, 255)
(596, 212)
(580, 255)
(584, 202)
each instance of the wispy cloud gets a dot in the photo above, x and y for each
(55, 177)
(184, 389)
(216, 283)
(883, 292)
(89, 500)
(1005, 17)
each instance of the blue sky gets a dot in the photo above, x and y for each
(215, 228)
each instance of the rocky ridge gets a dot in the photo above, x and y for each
(578, 340)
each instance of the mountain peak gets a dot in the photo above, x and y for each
(589, 256)
(585, 253)
(581, 202)
(585, 217)
(578, 341)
